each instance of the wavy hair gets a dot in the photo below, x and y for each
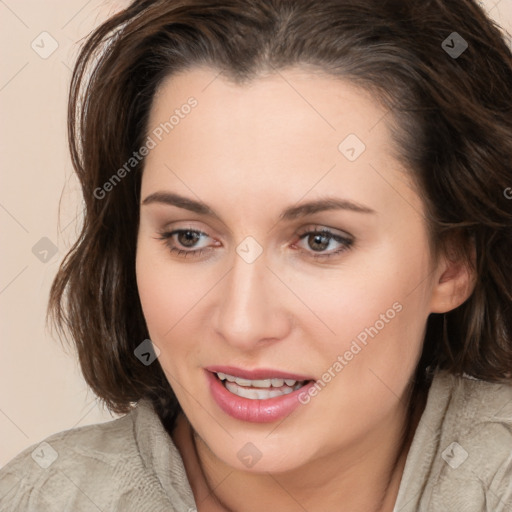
(451, 124)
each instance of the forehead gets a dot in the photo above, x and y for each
(304, 132)
(279, 106)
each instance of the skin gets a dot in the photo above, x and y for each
(249, 152)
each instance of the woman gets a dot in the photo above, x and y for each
(293, 275)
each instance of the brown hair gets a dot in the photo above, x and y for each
(452, 125)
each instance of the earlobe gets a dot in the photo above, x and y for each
(454, 284)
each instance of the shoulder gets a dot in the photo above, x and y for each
(477, 412)
(476, 442)
(95, 467)
(461, 456)
(42, 469)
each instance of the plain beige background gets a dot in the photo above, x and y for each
(41, 388)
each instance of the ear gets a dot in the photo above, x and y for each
(454, 282)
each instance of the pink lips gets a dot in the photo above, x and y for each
(255, 411)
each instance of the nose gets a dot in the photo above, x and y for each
(252, 305)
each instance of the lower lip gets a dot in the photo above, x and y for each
(255, 411)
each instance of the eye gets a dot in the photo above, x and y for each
(185, 238)
(320, 238)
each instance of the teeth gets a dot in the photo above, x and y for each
(266, 383)
(262, 383)
(256, 394)
(241, 382)
(259, 389)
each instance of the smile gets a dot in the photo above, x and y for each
(256, 396)
(259, 389)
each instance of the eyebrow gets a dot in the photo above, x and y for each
(290, 213)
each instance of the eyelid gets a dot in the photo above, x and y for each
(321, 228)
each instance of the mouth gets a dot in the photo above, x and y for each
(258, 396)
(259, 389)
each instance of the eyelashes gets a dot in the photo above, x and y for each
(323, 236)
(168, 237)
(317, 236)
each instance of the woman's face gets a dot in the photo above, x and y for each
(263, 299)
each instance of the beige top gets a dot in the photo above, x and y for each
(460, 460)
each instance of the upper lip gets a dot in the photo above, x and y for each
(257, 373)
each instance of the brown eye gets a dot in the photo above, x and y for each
(187, 238)
(179, 240)
(319, 240)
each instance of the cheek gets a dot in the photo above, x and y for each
(161, 291)
(376, 312)
(367, 366)
(172, 297)
(374, 292)
(161, 308)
